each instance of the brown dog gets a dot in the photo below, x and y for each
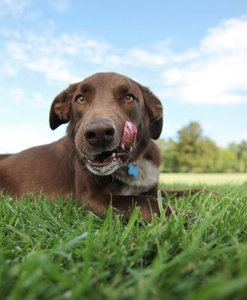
(108, 153)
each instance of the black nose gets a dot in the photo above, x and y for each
(100, 133)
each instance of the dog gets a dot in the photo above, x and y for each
(108, 155)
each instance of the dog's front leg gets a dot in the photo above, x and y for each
(148, 205)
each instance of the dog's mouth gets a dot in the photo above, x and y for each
(108, 161)
(106, 158)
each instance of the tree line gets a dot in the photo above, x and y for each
(193, 152)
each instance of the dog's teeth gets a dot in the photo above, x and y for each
(113, 154)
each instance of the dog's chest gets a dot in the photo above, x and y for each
(138, 177)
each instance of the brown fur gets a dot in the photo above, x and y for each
(3, 156)
(59, 168)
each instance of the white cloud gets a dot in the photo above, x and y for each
(17, 50)
(19, 96)
(140, 56)
(213, 73)
(218, 74)
(62, 58)
(58, 58)
(53, 68)
(15, 139)
(8, 69)
(228, 36)
(173, 76)
(61, 5)
(13, 7)
(3, 110)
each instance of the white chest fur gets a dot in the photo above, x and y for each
(147, 178)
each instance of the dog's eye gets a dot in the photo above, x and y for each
(80, 99)
(129, 98)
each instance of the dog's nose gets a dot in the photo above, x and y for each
(100, 133)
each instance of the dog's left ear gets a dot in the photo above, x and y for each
(155, 112)
(61, 107)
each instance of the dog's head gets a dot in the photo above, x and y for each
(111, 119)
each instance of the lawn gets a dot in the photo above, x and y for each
(61, 251)
(203, 178)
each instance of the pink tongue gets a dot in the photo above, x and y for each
(129, 135)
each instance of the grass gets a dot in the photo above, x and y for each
(60, 251)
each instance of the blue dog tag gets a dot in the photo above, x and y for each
(133, 170)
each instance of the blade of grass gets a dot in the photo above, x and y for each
(131, 224)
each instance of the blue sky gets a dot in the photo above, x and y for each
(191, 54)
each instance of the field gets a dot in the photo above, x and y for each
(61, 251)
(203, 179)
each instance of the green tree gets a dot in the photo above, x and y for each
(188, 150)
(209, 154)
(227, 161)
(194, 152)
(167, 149)
(240, 151)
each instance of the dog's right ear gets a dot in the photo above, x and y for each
(61, 107)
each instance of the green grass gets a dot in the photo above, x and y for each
(60, 251)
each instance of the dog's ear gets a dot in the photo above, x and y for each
(61, 107)
(155, 113)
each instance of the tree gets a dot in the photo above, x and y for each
(167, 148)
(188, 150)
(209, 154)
(194, 152)
(227, 161)
(240, 151)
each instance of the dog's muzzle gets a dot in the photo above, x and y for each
(108, 162)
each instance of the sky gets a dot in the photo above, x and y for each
(192, 55)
